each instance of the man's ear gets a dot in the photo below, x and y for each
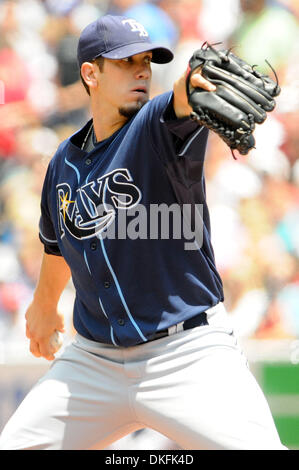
(88, 74)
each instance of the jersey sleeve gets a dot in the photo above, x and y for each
(47, 233)
(174, 137)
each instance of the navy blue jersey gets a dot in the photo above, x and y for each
(132, 275)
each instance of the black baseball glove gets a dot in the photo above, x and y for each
(242, 98)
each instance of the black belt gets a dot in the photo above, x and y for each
(198, 320)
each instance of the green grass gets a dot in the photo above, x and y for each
(280, 379)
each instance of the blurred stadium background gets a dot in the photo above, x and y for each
(253, 202)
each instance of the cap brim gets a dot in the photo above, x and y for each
(161, 55)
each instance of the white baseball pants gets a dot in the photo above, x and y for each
(194, 387)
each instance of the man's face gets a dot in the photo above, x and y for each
(125, 83)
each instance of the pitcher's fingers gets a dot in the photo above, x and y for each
(61, 328)
(34, 348)
(46, 350)
(197, 80)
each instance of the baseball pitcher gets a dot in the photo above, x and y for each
(154, 347)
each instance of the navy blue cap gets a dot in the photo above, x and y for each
(117, 37)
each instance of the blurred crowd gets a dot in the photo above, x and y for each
(253, 201)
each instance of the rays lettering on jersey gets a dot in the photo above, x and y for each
(93, 208)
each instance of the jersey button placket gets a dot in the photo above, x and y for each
(88, 161)
(93, 245)
(121, 321)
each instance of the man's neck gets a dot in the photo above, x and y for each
(106, 124)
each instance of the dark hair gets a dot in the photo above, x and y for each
(100, 63)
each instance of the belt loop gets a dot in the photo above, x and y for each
(175, 328)
(172, 330)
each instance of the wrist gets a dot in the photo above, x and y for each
(180, 100)
(46, 297)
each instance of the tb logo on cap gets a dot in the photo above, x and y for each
(136, 27)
